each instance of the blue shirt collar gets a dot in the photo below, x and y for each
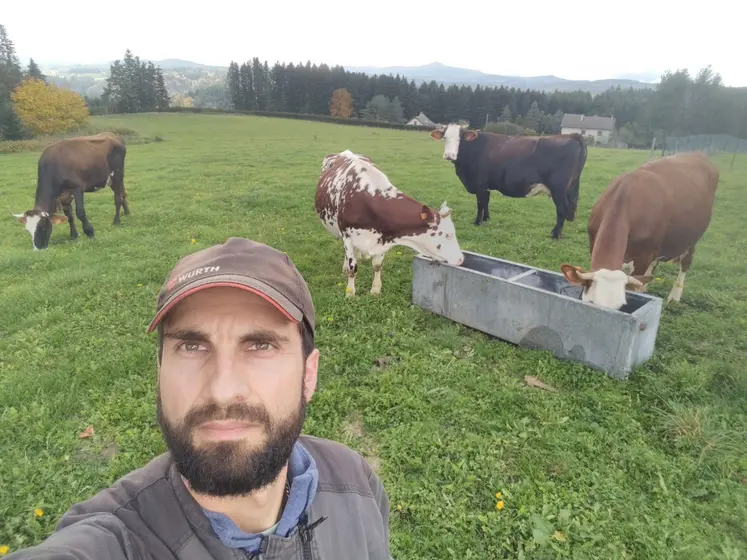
(303, 476)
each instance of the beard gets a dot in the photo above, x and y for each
(231, 468)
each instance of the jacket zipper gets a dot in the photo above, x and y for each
(306, 535)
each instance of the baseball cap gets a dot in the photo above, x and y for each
(239, 263)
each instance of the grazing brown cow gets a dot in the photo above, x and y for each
(356, 203)
(656, 213)
(66, 170)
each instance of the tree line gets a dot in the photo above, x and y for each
(11, 76)
(133, 86)
(681, 104)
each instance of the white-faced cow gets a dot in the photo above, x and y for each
(656, 213)
(517, 167)
(357, 203)
(67, 169)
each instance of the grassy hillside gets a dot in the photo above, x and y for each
(651, 468)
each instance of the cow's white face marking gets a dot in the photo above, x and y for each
(451, 138)
(607, 289)
(31, 223)
(443, 246)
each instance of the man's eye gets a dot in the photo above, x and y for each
(261, 346)
(191, 346)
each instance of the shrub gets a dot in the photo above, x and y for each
(46, 109)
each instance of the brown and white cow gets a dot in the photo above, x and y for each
(656, 213)
(357, 203)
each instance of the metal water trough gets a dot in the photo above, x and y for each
(539, 309)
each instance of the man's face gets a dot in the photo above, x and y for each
(233, 388)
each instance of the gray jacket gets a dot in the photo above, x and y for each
(149, 514)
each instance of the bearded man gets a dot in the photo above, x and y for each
(237, 366)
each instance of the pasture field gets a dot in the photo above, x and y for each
(651, 468)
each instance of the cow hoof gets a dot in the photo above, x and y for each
(374, 292)
(349, 295)
(477, 222)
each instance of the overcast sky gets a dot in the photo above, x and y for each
(574, 39)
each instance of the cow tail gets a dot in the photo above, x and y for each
(572, 191)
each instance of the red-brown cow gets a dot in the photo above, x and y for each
(656, 213)
(357, 203)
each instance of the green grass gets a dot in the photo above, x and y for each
(654, 467)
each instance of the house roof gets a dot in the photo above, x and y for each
(425, 120)
(594, 122)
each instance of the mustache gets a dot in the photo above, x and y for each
(236, 411)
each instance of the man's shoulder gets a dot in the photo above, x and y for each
(124, 491)
(340, 468)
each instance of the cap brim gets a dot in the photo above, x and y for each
(266, 292)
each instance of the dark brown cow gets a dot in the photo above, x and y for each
(517, 167)
(66, 170)
(656, 213)
(356, 203)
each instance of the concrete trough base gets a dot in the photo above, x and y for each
(539, 309)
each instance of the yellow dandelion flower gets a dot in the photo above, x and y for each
(348, 289)
(498, 495)
(399, 507)
(4, 550)
(139, 285)
(194, 241)
(499, 505)
(38, 512)
(329, 318)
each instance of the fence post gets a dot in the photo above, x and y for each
(733, 157)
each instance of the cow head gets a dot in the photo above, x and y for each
(39, 225)
(453, 134)
(603, 287)
(439, 241)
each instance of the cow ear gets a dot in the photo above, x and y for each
(57, 219)
(470, 135)
(574, 274)
(437, 134)
(425, 212)
(20, 217)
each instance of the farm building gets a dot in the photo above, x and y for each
(597, 130)
(421, 120)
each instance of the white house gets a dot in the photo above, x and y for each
(421, 120)
(596, 130)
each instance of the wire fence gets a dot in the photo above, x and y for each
(708, 143)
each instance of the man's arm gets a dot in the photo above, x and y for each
(382, 500)
(91, 538)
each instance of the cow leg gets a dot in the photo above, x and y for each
(350, 266)
(482, 202)
(486, 204)
(68, 209)
(80, 211)
(685, 261)
(558, 198)
(120, 194)
(377, 261)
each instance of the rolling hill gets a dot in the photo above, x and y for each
(463, 76)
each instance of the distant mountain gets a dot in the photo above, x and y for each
(463, 76)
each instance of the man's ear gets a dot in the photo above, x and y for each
(310, 374)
